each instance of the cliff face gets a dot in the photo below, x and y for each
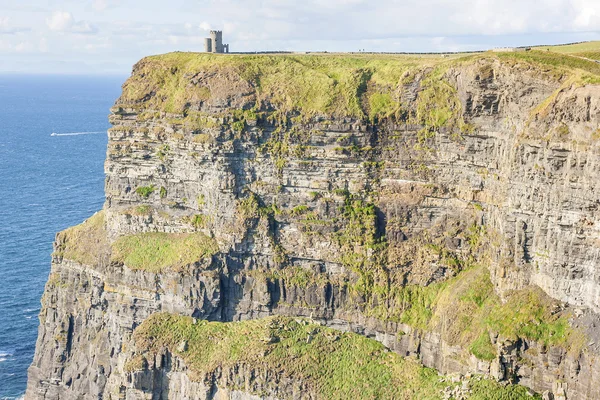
(448, 209)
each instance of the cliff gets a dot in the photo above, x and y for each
(311, 226)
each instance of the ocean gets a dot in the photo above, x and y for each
(47, 183)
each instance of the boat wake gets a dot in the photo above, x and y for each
(4, 356)
(76, 133)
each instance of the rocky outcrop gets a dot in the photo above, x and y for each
(358, 210)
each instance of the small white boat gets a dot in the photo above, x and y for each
(54, 134)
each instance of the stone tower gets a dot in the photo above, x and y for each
(214, 44)
(217, 41)
(208, 45)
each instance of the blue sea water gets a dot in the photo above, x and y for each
(47, 183)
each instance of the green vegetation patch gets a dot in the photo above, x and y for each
(559, 64)
(310, 84)
(574, 48)
(334, 365)
(438, 106)
(487, 389)
(531, 314)
(86, 243)
(145, 191)
(304, 86)
(466, 310)
(483, 348)
(155, 251)
(298, 276)
(592, 55)
(382, 105)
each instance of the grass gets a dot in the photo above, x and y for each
(575, 48)
(382, 105)
(311, 84)
(528, 313)
(483, 348)
(155, 252)
(163, 192)
(463, 309)
(86, 243)
(143, 210)
(298, 277)
(333, 85)
(486, 389)
(560, 65)
(145, 191)
(332, 364)
(466, 308)
(589, 50)
(199, 221)
(438, 104)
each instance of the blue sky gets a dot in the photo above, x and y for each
(109, 36)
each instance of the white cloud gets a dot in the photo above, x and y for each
(22, 47)
(43, 46)
(100, 5)
(7, 28)
(63, 21)
(60, 21)
(83, 27)
(126, 30)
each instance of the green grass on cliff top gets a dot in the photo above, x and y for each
(155, 251)
(86, 243)
(311, 83)
(332, 84)
(334, 365)
(589, 50)
(574, 48)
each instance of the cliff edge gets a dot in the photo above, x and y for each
(336, 226)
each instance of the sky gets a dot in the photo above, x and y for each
(109, 36)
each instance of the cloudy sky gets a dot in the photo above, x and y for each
(108, 36)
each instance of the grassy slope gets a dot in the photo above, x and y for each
(335, 365)
(311, 83)
(590, 50)
(88, 244)
(332, 84)
(154, 252)
(464, 310)
(85, 243)
(572, 48)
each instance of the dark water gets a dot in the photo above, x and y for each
(47, 183)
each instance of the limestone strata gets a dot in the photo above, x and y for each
(289, 197)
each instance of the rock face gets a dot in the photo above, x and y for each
(342, 209)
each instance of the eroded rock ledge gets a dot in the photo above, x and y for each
(445, 208)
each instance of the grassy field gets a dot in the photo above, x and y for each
(572, 48)
(335, 365)
(362, 86)
(155, 251)
(589, 50)
(311, 83)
